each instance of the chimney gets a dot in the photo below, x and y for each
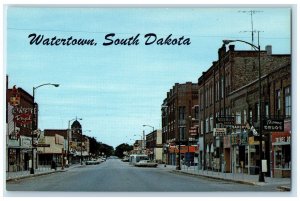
(269, 50)
(231, 47)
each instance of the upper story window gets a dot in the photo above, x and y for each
(287, 102)
(181, 113)
(278, 102)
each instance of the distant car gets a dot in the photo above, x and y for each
(146, 163)
(93, 162)
(125, 159)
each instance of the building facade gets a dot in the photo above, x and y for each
(154, 146)
(52, 147)
(230, 104)
(179, 127)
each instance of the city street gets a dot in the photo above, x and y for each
(117, 176)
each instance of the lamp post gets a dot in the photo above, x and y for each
(166, 137)
(152, 145)
(69, 135)
(33, 128)
(256, 48)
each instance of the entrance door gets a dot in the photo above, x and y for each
(26, 161)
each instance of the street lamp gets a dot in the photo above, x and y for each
(152, 145)
(32, 122)
(69, 135)
(166, 136)
(256, 48)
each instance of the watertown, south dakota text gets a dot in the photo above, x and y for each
(110, 39)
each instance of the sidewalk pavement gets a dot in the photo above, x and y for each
(283, 184)
(37, 172)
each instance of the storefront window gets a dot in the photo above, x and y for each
(282, 156)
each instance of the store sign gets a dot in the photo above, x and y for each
(219, 132)
(273, 125)
(23, 118)
(227, 120)
(278, 138)
(26, 142)
(13, 143)
(23, 115)
(193, 131)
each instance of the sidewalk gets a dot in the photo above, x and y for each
(283, 183)
(37, 172)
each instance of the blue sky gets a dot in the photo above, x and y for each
(117, 89)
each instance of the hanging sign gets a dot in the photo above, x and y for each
(273, 125)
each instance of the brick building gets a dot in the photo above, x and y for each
(229, 107)
(19, 109)
(179, 110)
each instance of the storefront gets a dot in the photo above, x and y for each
(281, 154)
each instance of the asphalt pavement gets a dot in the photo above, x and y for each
(284, 184)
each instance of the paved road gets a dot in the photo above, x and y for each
(117, 176)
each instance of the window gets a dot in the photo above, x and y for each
(222, 87)
(250, 116)
(245, 116)
(238, 118)
(256, 112)
(267, 110)
(201, 127)
(182, 132)
(196, 112)
(287, 101)
(181, 112)
(206, 97)
(217, 90)
(211, 123)
(206, 125)
(278, 104)
(282, 156)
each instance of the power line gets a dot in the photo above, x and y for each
(103, 32)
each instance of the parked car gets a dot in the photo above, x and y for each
(146, 163)
(93, 162)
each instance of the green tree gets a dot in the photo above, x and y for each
(97, 148)
(122, 148)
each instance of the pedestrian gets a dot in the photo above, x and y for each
(53, 165)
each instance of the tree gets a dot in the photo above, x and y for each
(122, 148)
(97, 148)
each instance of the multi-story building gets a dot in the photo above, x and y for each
(52, 147)
(154, 146)
(179, 130)
(79, 144)
(19, 144)
(229, 108)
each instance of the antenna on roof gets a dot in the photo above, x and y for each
(251, 12)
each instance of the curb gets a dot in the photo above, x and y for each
(218, 178)
(33, 175)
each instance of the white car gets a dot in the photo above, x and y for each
(146, 163)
